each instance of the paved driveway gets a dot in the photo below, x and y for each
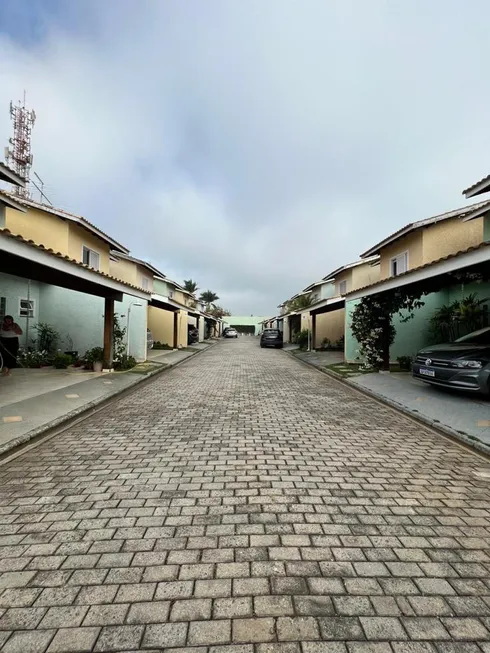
(244, 499)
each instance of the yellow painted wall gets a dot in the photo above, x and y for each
(412, 243)
(124, 270)
(330, 325)
(364, 275)
(346, 275)
(450, 237)
(79, 237)
(43, 228)
(130, 272)
(161, 325)
(183, 329)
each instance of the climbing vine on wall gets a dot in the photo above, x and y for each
(372, 323)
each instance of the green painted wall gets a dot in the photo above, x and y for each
(486, 228)
(414, 334)
(245, 321)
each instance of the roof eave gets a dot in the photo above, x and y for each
(479, 188)
(10, 176)
(11, 203)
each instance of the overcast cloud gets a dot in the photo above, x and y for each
(252, 145)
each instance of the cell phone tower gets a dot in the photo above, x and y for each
(19, 156)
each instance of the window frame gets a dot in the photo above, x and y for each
(91, 252)
(394, 261)
(31, 311)
(145, 283)
(342, 287)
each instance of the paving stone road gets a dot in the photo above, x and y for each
(243, 503)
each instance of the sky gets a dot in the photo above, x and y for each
(252, 146)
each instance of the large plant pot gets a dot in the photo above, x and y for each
(98, 366)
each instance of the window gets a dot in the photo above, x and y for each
(170, 294)
(3, 306)
(343, 287)
(26, 307)
(145, 283)
(399, 264)
(90, 258)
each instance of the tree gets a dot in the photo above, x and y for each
(191, 286)
(300, 303)
(218, 312)
(209, 297)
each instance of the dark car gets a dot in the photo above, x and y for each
(463, 364)
(271, 338)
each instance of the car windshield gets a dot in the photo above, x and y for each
(273, 332)
(481, 337)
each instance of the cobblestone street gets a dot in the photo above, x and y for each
(244, 503)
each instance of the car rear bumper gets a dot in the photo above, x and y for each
(476, 381)
(271, 343)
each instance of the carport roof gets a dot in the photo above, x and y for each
(8, 242)
(443, 265)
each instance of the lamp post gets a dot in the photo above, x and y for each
(128, 324)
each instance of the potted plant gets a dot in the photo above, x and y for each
(94, 359)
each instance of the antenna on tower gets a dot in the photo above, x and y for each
(18, 156)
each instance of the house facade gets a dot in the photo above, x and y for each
(422, 245)
(77, 310)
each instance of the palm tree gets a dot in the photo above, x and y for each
(191, 286)
(301, 302)
(209, 297)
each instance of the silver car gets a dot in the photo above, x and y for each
(462, 365)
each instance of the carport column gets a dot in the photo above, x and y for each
(176, 329)
(108, 332)
(313, 331)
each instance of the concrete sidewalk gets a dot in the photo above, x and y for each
(466, 417)
(34, 401)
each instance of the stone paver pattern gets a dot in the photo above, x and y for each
(244, 503)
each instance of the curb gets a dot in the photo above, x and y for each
(475, 445)
(78, 414)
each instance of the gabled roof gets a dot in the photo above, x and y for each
(478, 188)
(180, 288)
(8, 234)
(413, 226)
(335, 273)
(10, 176)
(400, 279)
(148, 266)
(71, 217)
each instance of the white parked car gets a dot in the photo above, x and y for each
(231, 333)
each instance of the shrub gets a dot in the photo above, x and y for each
(62, 361)
(32, 359)
(405, 362)
(47, 337)
(125, 363)
(94, 355)
(302, 339)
